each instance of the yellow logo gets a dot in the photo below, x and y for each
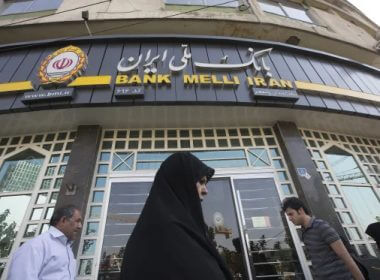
(62, 66)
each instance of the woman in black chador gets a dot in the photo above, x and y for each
(169, 241)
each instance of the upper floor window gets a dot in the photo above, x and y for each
(286, 9)
(28, 6)
(232, 4)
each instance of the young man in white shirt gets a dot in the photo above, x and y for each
(49, 256)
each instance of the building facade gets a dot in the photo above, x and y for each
(282, 98)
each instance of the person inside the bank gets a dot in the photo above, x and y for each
(170, 240)
(49, 255)
(330, 258)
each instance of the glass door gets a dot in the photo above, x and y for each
(272, 253)
(125, 204)
(243, 217)
(221, 218)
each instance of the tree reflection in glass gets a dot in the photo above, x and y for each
(12, 211)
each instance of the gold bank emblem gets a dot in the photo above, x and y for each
(62, 66)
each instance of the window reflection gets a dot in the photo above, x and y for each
(220, 218)
(365, 204)
(125, 204)
(20, 172)
(12, 211)
(270, 243)
(344, 166)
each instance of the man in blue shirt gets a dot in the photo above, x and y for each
(329, 257)
(49, 256)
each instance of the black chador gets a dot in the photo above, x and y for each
(169, 241)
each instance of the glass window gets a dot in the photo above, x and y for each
(89, 247)
(54, 158)
(346, 217)
(50, 171)
(12, 212)
(85, 267)
(103, 168)
(364, 203)
(65, 158)
(44, 228)
(92, 228)
(282, 176)
(53, 197)
(274, 152)
(41, 198)
(332, 189)
(95, 211)
(30, 230)
(202, 3)
(49, 213)
(58, 183)
(321, 165)
(258, 157)
(36, 214)
(271, 7)
(15, 7)
(284, 8)
(105, 156)
(100, 182)
(18, 7)
(97, 197)
(62, 170)
(354, 233)
(339, 203)
(286, 189)
(20, 172)
(296, 11)
(45, 184)
(344, 166)
(215, 159)
(278, 163)
(122, 162)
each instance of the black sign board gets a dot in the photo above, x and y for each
(129, 92)
(270, 93)
(48, 95)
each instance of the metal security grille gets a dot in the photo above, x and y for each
(133, 151)
(37, 199)
(361, 178)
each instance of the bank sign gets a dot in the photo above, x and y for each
(65, 69)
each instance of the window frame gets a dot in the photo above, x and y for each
(282, 4)
(7, 4)
(231, 5)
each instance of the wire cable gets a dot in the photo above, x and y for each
(61, 12)
(169, 16)
(142, 21)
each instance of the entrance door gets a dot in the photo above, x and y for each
(244, 221)
(270, 246)
(220, 215)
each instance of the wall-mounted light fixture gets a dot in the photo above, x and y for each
(85, 17)
(243, 5)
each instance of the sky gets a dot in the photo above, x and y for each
(371, 8)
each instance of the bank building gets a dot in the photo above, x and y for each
(282, 98)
